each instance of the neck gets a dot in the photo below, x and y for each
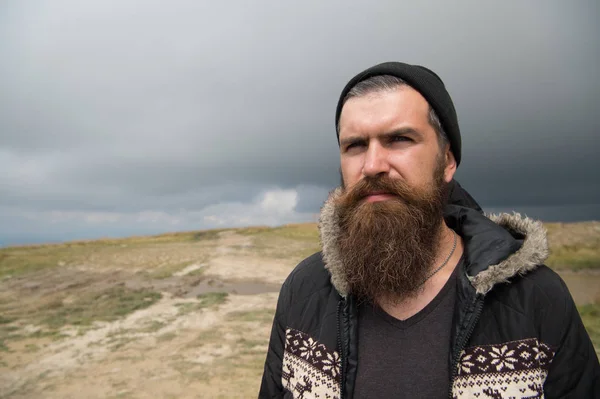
(409, 307)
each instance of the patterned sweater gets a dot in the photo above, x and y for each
(516, 332)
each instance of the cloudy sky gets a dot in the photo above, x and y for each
(122, 117)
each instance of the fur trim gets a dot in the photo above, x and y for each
(329, 231)
(532, 253)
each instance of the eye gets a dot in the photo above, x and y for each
(400, 138)
(354, 145)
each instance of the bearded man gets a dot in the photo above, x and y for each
(416, 293)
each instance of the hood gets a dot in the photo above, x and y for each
(497, 247)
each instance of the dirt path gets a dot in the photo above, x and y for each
(204, 335)
(181, 346)
(155, 352)
(235, 260)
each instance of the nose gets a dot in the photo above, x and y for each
(376, 161)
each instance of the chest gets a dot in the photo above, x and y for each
(409, 358)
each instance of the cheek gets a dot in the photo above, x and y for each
(351, 171)
(415, 169)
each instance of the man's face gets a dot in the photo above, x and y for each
(388, 134)
(391, 211)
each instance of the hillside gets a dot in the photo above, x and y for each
(180, 314)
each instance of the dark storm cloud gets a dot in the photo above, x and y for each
(134, 106)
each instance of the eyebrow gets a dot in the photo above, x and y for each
(396, 132)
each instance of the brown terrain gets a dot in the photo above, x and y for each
(183, 315)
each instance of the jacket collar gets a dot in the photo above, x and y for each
(497, 247)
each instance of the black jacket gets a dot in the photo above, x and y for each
(516, 331)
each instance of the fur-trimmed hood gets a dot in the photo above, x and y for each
(497, 247)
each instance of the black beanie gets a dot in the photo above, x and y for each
(425, 82)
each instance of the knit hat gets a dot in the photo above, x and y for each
(425, 82)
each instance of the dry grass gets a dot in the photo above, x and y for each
(210, 299)
(261, 316)
(214, 343)
(146, 252)
(108, 305)
(574, 246)
(290, 241)
(51, 315)
(590, 314)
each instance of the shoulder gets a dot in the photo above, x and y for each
(547, 283)
(537, 303)
(537, 290)
(306, 293)
(308, 277)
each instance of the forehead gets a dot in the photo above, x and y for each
(383, 111)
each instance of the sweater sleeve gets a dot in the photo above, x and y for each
(575, 371)
(271, 385)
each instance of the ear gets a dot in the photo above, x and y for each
(450, 163)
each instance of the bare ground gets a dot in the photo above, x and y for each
(202, 333)
(177, 347)
(155, 352)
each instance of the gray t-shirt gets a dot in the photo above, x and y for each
(406, 358)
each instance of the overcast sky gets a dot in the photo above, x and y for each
(122, 117)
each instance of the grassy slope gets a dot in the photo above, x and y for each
(573, 246)
(590, 314)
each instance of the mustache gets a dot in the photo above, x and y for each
(380, 185)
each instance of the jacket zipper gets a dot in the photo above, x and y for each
(463, 342)
(342, 356)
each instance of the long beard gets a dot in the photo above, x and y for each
(388, 247)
